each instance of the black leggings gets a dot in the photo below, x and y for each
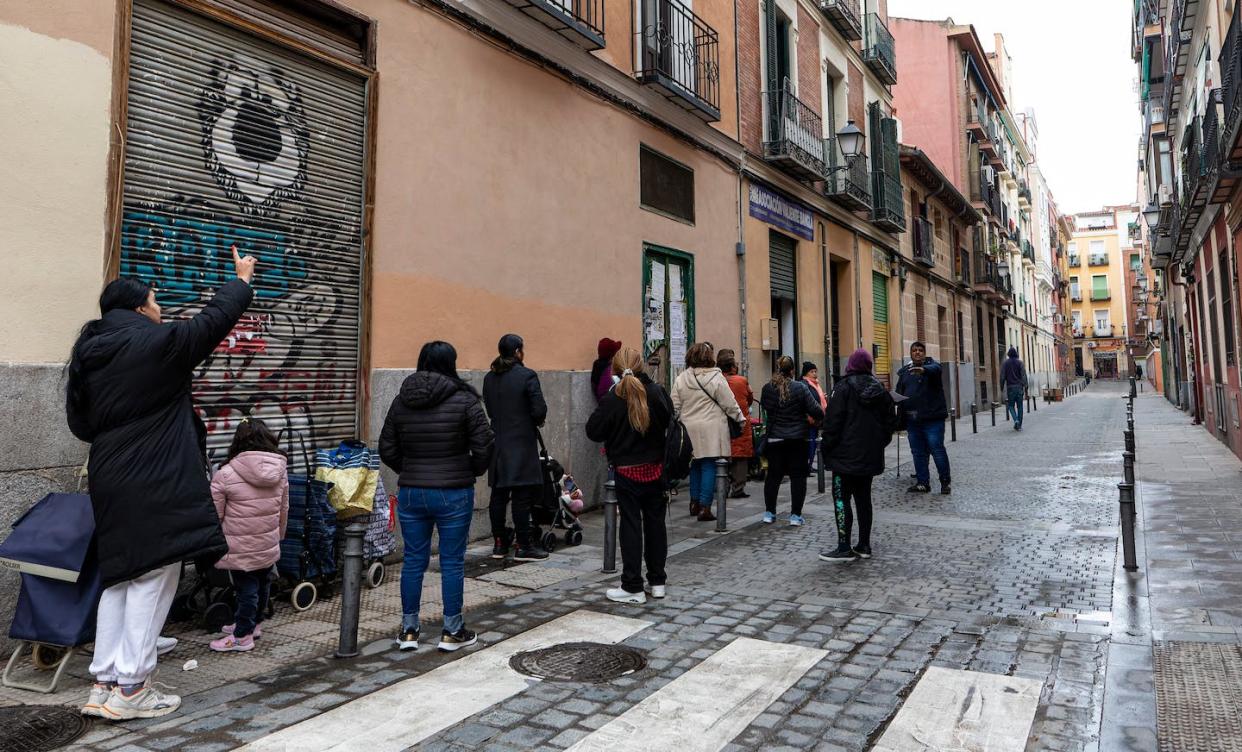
(843, 488)
(787, 457)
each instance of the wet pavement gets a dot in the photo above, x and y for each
(1016, 575)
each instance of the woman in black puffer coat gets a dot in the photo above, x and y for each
(128, 395)
(437, 437)
(792, 409)
(860, 424)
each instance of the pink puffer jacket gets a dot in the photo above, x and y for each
(252, 498)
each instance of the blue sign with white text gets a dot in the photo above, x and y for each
(784, 213)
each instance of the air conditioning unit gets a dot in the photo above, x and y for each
(1166, 194)
(1091, 345)
(988, 173)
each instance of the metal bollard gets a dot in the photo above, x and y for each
(952, 428)
(1140, 387)
(1034, 404)
(1127, 459)
(610, 527)
(1129, 437)
(821, 480)
(722, 490)
(974, 422)
(1133, 388)
(993, 407)
(351, 591)
(1128, 515)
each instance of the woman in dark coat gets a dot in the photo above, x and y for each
(792, 410)
(517, 410)
(859, 425)
(436, 436)
(128, 395)
(632, 420)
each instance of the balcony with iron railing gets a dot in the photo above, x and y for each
(845, 16)
(850, 187)
(1097, 259)
(1173, 49)
(1231, 85)
(1075, 293)
(579, 21)
(924, 239)
(888, 212)
(1102, 331)
(985, 276)
(880, 50)
(1194, 171)
(795, 140)
(962, 270)
(679, 56)
(1024, 194)
(1028, 251)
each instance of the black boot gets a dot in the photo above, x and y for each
(503, 544)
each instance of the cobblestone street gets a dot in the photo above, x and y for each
(1015, 574)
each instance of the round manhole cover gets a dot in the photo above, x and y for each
(579, 662)
(35, 728)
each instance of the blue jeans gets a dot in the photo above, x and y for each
(447, 510)
(703, 481)
(812, 443)
(251, 589)
(927, 439)
(1014, 399)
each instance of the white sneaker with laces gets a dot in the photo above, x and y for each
(147, 702)
(165, 645)
(620, 595)
(94, 703)
(657, 591)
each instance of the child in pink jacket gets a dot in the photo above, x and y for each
(251, 492)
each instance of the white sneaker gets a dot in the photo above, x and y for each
(618, 595)
(165, 645)
(94, 703)
(147, 702)
(657, 591)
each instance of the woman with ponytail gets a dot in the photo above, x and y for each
(128, 395)
(790, 406)
(631, 421)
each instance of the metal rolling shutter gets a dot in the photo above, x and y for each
(781, 252)
(879, 315)
(234, 141)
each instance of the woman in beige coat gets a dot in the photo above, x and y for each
(704, 401)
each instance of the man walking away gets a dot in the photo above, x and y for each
(1013, 373)
(924, 411)
(516, 407)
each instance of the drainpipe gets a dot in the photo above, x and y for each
(741, 212)
(823, 268)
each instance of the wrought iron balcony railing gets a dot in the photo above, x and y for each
(1231, 72)
(1102, 331)
(924, 242)
(579, 21)
(963, 267)
(880, 51)
(845, 16)
(850, 187)
(887, 212)
(679, 56)
(1028, 251)
(795, 138)
(1097, 259)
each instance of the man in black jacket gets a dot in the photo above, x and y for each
(924, 411)
(517, 410)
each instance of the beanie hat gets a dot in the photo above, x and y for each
(807, 367)
(860, 362)
(608, 348)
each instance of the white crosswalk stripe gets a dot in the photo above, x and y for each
(406, 713)
(704, 708)
(953, 709)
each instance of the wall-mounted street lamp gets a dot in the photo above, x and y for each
(851, 141)
(1151, 215)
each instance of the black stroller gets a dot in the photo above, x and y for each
(557, 505)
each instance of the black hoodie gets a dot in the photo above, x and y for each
(436, 434)
(860, 423)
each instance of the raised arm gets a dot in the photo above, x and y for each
(194, 338)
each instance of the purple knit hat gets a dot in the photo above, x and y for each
(859, 362)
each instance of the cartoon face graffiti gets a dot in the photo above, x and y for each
(254, 134)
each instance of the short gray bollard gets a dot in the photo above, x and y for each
(610, 527)
(351, 590)
(1128, 515)
(952, 431)
(722, 491)
(1127, 459)
(1034, 403)
(1129, 437)
(974, 418)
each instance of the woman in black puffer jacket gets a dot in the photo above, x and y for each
(438, 438)
(791, 410)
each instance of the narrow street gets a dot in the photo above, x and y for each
(759, 645)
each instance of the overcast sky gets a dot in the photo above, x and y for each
(1071, 63)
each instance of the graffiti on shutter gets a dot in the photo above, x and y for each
(233, 141)
(784, 275)
(879, 315)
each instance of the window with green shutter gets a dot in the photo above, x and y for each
(1099, 287)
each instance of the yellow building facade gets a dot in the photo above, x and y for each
(1098, 253)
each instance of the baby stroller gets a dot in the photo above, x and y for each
(53, 548)
(558, 505)
(210, 598)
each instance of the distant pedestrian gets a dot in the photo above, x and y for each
(517, 410)
(128, 394)
(791, 408)
(436, 436)
(601, 370)
(924, 411)
(251, 492)
(810, 375)
(703, 399)
(631, 421)
(741, 449)
(859, 425)
(1013, 374)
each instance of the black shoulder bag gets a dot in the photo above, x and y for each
(735, 426)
